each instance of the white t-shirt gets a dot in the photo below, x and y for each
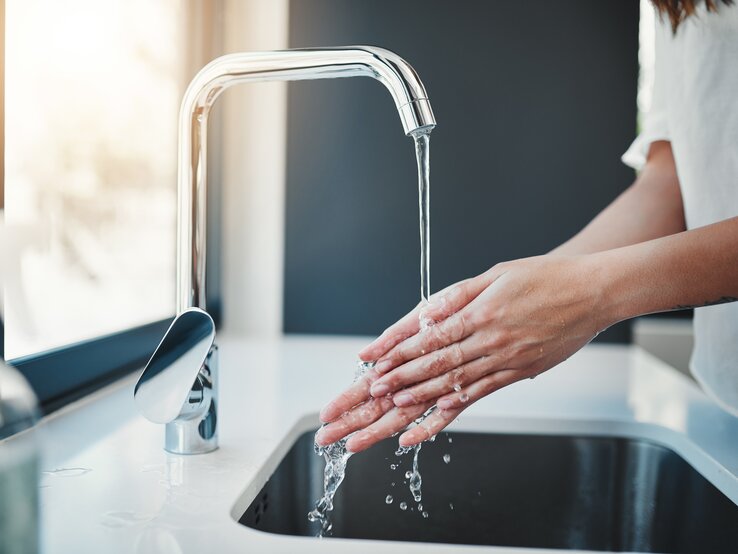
(695, 106)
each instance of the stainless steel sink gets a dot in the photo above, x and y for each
(543, 491)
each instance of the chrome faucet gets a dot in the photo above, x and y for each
(179, 384)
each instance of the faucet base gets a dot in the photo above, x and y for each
(197, 431)
(183, 437)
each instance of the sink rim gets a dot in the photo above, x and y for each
(660, 435)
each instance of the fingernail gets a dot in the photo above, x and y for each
(379, 389)
(320, 437)
(405, 441)
(383, 366)
(403, 399)
(445, 404)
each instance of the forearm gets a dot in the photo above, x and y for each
(648, 209)
(689, 269)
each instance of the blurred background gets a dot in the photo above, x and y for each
(313, 218)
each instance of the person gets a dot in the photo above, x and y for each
(669, 242)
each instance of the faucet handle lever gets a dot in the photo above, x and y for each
(164, 390)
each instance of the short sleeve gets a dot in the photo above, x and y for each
(655, 125)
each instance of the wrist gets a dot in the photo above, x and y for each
(612, 300)
(631, 282)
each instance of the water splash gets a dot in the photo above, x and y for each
(416, 481)
(336, 458)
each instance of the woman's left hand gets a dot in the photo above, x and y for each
(513, 322)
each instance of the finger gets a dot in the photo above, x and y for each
(404, 328)
(357, 393)
(453, 298)
(449, 331)
(431, 365)
(429, 427)
(450, 381)
(409, 325)
(361, 416)
(481, 388)
(392, 422)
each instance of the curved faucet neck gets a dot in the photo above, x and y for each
(396, 74)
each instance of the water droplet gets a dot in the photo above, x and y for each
(393, 483)
(403, 505)
(124, 519)
(393, 466)
(389, 499)
(361, 368)
(464, 398)
(451, 505)
(425, 515)
(457, 387)
(68, 471)
(408, 474)
(156, 468)
(447, 458)
(420, 507)
(450, 440)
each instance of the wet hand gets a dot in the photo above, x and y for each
(513, 322)
(355, 409)
(373, 419)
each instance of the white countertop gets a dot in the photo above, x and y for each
(110, 487)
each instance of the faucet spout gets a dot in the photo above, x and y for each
(403, 83)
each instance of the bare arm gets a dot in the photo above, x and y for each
(650, 208)
(690, 269)
(524, 317)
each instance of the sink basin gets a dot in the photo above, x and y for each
(536, 491)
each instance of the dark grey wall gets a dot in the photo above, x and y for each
(535, 102)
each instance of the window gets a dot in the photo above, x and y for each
(92, 94)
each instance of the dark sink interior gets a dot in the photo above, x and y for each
(543, 491)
